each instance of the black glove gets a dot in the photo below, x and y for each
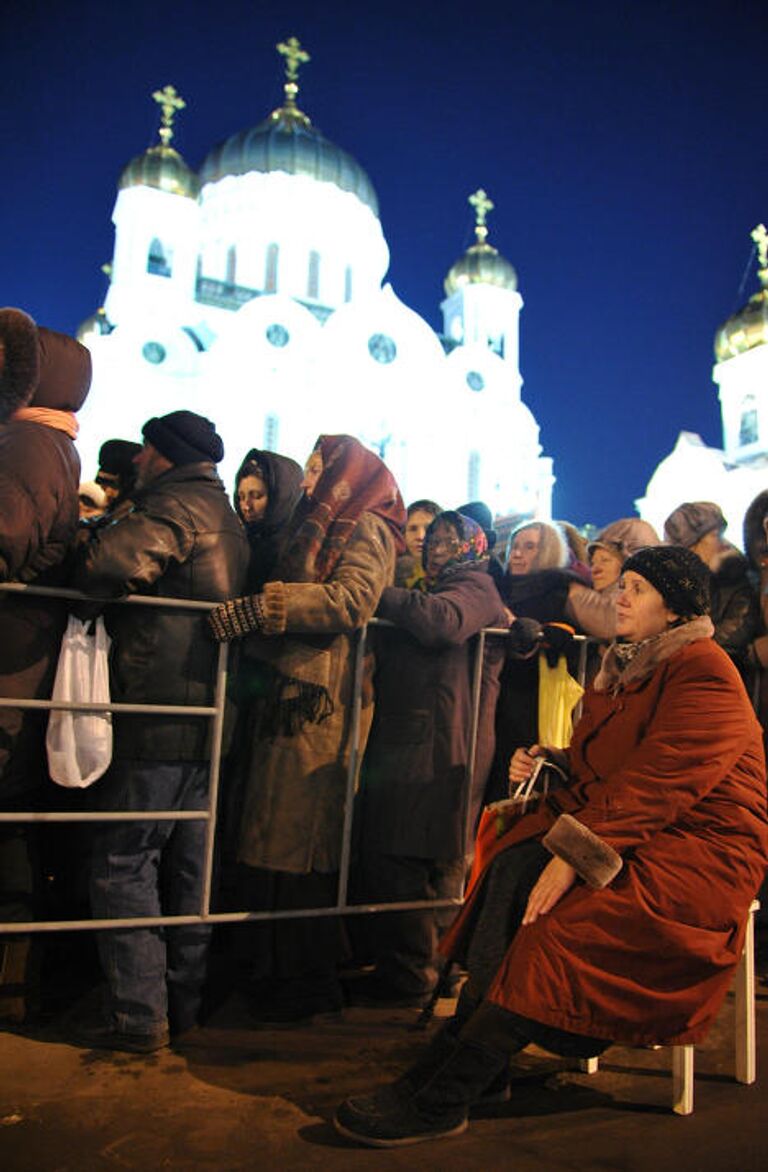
(558, 640)
(525, 635)
(238, 617)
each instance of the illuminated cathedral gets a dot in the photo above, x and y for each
(254, 292)
(733, 475)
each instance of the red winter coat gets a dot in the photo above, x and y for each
(668, 772)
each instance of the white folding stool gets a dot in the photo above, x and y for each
(744, 1034)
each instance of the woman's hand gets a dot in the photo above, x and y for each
(552, 884)
(235, 618)
(523, 760)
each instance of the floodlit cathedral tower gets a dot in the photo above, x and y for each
(734, 475)
(254, 292)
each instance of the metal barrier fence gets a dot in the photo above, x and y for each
(215, 713)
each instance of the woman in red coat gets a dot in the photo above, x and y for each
(615, 911)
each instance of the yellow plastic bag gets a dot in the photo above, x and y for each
(559, 693)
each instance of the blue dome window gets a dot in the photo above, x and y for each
(475, 380)
(278, 335)
(153, 352)
(382, 349)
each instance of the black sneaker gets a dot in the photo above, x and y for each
(387, 1120)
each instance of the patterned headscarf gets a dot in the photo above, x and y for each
(353, 481)
(471, 546)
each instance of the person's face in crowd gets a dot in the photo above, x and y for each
(711, 549)
(640, 609)
(149, 464)
(110, 483)
(253, 498)
(443, 545)
(525, 548)
(313, 470)
(415, 529)
(89, 508)
(605, 568)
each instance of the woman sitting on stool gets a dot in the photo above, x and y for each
(615, 910)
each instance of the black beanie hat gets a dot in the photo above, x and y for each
(116, 457)
(678, 574)
(184, 437)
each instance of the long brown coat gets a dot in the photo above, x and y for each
(294, 799)
(668, 772)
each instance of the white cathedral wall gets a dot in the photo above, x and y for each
(142, 214)
(694, 472)
(256, 210)
(743, 380)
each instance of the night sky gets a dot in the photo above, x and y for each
(623, 144)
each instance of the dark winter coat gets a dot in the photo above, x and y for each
(734, 609)
(181, 539)
(39, 477)
(414, 790)
(668, 784)
(541, 595)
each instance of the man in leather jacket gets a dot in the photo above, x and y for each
(180, 539)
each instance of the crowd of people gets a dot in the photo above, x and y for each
(660, 797)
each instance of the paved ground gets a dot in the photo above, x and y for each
(241, 1098)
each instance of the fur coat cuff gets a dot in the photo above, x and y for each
(592, 859)
(274, 608)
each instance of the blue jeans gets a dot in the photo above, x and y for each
(155, 976)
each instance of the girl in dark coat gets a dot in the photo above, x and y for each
(418, 804)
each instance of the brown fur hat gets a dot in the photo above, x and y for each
(19, 361)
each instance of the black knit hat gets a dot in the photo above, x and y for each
(116, 457)
(184, 437)
(680, 577)
(19, 361)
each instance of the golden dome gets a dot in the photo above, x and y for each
(749, 326)
(161, 166)
(287, 141)
(481, 264)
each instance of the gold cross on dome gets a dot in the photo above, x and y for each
(294, 57)
(169, 102)
(482, 205)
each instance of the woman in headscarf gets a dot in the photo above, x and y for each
(338, 555)
(615, 910)
(418, 806)
(267, 490)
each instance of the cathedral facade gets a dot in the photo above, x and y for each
(254, 292)
(733, 475)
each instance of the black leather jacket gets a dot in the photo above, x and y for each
(181, 539)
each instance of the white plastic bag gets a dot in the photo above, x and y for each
(79, 744)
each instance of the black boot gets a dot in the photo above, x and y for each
(438, 1108)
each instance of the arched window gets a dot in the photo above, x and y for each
(270, 433)
(748, 428)
(473, 476)
(231, 265)
(348, 283)
(159, 259)
(313, 279)
(270, 277)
